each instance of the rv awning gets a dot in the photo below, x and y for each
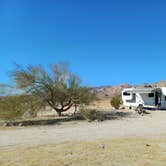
(146, 90)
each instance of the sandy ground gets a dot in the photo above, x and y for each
(116, 152)
(126, 139)
(151, 125)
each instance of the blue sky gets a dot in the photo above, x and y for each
(106, 42)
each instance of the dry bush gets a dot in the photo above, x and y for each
(16, 106)
(91, 114)
(11, 108)
(115, 102)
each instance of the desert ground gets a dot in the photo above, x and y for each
(124, 139)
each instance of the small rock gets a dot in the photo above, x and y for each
(103, 146)
(20, 124)
(69, 152)
(5, 124)
(148, 145)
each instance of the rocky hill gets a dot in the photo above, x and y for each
(161, 83)
(110, 91)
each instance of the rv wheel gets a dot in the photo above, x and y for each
(140, 109)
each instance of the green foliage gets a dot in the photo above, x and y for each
(116, 101)
(57, 87)
(11, 108)
(14, 107)
(32, 104)
(83, 96)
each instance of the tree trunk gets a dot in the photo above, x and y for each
(63, 108)
(59, 113)
(75, 106)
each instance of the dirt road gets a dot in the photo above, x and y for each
(149, 126)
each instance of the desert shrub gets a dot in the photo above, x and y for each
(16, 106)
(116, 101)
(91, 114)
(31, 105)
(11, 108)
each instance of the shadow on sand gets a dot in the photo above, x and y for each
(117, 115)
(103, 115)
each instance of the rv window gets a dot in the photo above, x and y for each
(151, 95)
(134, 96)
(165, 98)
(126, 94)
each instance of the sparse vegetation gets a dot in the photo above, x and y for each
(58, 88)
(121, 152)
(116, 101)
(92, 114)
(11, 108)
(16, 106)
(89, 114)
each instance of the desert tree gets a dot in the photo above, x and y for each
(82, 97)
(56, 86)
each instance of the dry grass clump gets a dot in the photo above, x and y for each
(92, 114)
(121, 152)
(115, 102)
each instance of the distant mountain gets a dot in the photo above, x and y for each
(109, 91)
(160, 83)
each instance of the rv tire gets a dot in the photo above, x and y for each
(140, 109)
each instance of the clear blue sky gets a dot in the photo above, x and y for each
(106, 42)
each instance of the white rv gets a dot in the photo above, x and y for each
(147, 97)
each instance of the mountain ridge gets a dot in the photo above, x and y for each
(109, 91)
